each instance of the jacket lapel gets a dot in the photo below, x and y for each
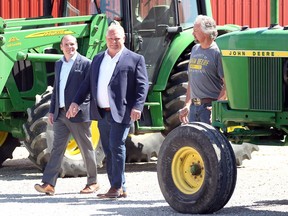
(74, 67)
(121, 60)
(97, 68)
(58, 70)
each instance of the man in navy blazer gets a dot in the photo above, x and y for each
(70, 71)
(118, 86)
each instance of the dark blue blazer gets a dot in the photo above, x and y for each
(127, 88)
(78, 73)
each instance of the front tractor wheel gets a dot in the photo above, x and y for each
(7, 146)
(196, 169)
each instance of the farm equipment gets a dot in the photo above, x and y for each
(196, 164)
(28, 49)
(159, 30)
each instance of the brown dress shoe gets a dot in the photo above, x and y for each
(45, 188)
(123, 194)
(113, 193)
(90, 188)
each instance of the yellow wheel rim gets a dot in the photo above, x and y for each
(3, 137)
(72, 149)
(188, 171)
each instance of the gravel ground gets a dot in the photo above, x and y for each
(261, 189)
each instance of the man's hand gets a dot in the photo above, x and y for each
(183, 115)
(72, 111)
(135, 114)
(210, 109)
(50, 118)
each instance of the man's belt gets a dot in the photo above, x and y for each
(200, 101)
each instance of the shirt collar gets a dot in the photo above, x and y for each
(117, 54)
(73, 58)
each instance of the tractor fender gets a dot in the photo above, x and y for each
(179, 44)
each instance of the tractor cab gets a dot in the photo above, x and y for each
(155, 24)
(150, 26)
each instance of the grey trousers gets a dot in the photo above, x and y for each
(81, 132)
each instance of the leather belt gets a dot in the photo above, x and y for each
(200, 101)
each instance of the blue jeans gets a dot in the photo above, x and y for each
(113, 136)
(200, 113)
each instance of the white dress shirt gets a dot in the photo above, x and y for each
(107, 68)
(64, 73)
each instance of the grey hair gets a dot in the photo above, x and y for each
(208, 25)
(115, 26)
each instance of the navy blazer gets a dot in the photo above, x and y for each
(127, 88)
(78, 73)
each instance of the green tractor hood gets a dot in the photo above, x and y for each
(257, 55)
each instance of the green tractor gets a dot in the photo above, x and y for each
(159, 30)
(196, 164)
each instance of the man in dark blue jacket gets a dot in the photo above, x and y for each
(118, 85)
(70, 71)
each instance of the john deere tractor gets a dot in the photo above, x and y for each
(159, 30)
(196, 164)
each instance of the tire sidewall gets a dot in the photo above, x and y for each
(175, 140)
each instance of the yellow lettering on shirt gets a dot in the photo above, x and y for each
(197, 64)
(195, 67)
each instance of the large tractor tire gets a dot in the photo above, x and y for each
(39, 140)
(7, 145)
(143, 147)
(196, 169)
(175, 93)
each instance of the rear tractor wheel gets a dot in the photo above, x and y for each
(175, 93)
(39, 140)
